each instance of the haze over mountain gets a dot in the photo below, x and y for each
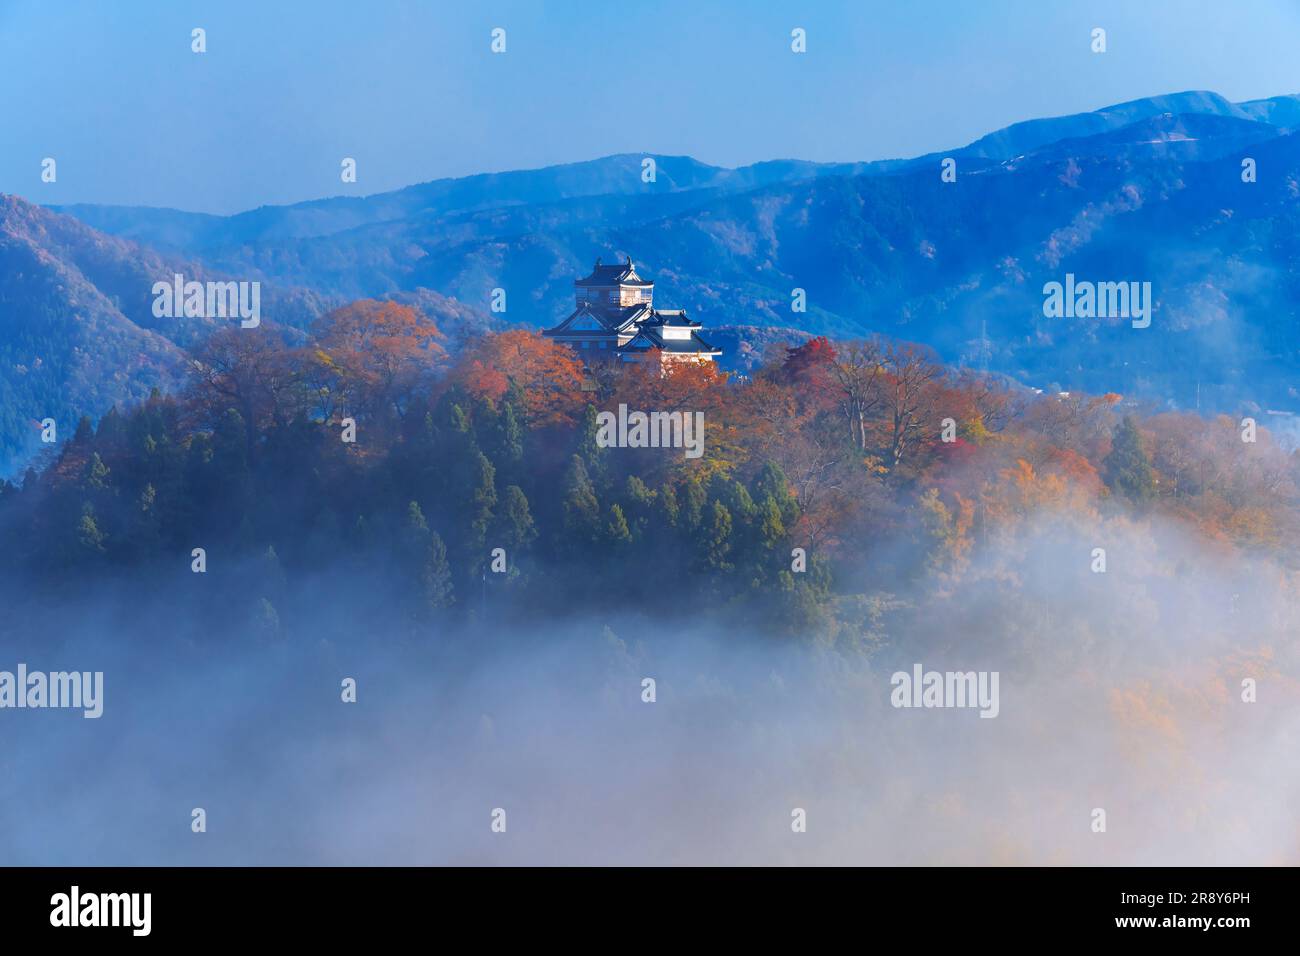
(1146, 191)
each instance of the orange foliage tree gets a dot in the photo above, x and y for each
(549, 376)
(377, 353)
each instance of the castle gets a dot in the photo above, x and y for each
(615, 319)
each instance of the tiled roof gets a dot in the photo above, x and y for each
(622, 273)
(676, 318)
(648, 338)
(612, 318)
(592, 321)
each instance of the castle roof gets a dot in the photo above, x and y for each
(674, 318)
(610, 319)
(649, 338)
(622, 273)
(597, 321)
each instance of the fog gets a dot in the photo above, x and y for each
(1119, 690)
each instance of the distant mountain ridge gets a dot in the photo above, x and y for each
(610, 175)
(1281, 111)
(78, 332)
(1147, 190)
(621, 174)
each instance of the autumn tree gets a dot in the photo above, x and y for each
(249, 371)
(908, 397)
(857, 371)
(377, 354)
(547, 376)
(810, 367)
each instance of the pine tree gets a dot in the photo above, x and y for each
(84, 431)
(588, 449)
(111, 430)
(1127, 469)
(96, 473)
(771, 482)
(692, 510)
(641, 506)
(508, 447)
(146, 531)
(771, 527)
(89, 537)
(735, 496)
(229, 466)
(482, 499)
(435, 576)
(616, 530)
(414, 537)
(581, 508)
(668, 507)
(514, 521)
(717, 540)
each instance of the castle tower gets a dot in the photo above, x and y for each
(614, 318)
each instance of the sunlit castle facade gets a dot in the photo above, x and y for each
(615, 319)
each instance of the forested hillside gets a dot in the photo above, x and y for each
(881, 464)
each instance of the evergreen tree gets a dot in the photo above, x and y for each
(111, 431)
(641, 506)
(693, 503)
(84, 431)
(96, 473)
(230, 466)
(588, 449)
(1127, 469)
(771, 526)
(482, 499)
(617, 533)
(581, 508)
(668, 506)
(771, 482)
(435, 576)
(415, 532)
(514, 522)
(804, 600)
(146, 530)
(90, 539)
(508, 444)
(717, 539)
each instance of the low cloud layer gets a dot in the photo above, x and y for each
(1119, 691)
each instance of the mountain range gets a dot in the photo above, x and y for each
(1155, 190)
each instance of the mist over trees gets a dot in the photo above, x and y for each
(474, 487)
(499, 585)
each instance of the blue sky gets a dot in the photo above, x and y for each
(412, 91)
